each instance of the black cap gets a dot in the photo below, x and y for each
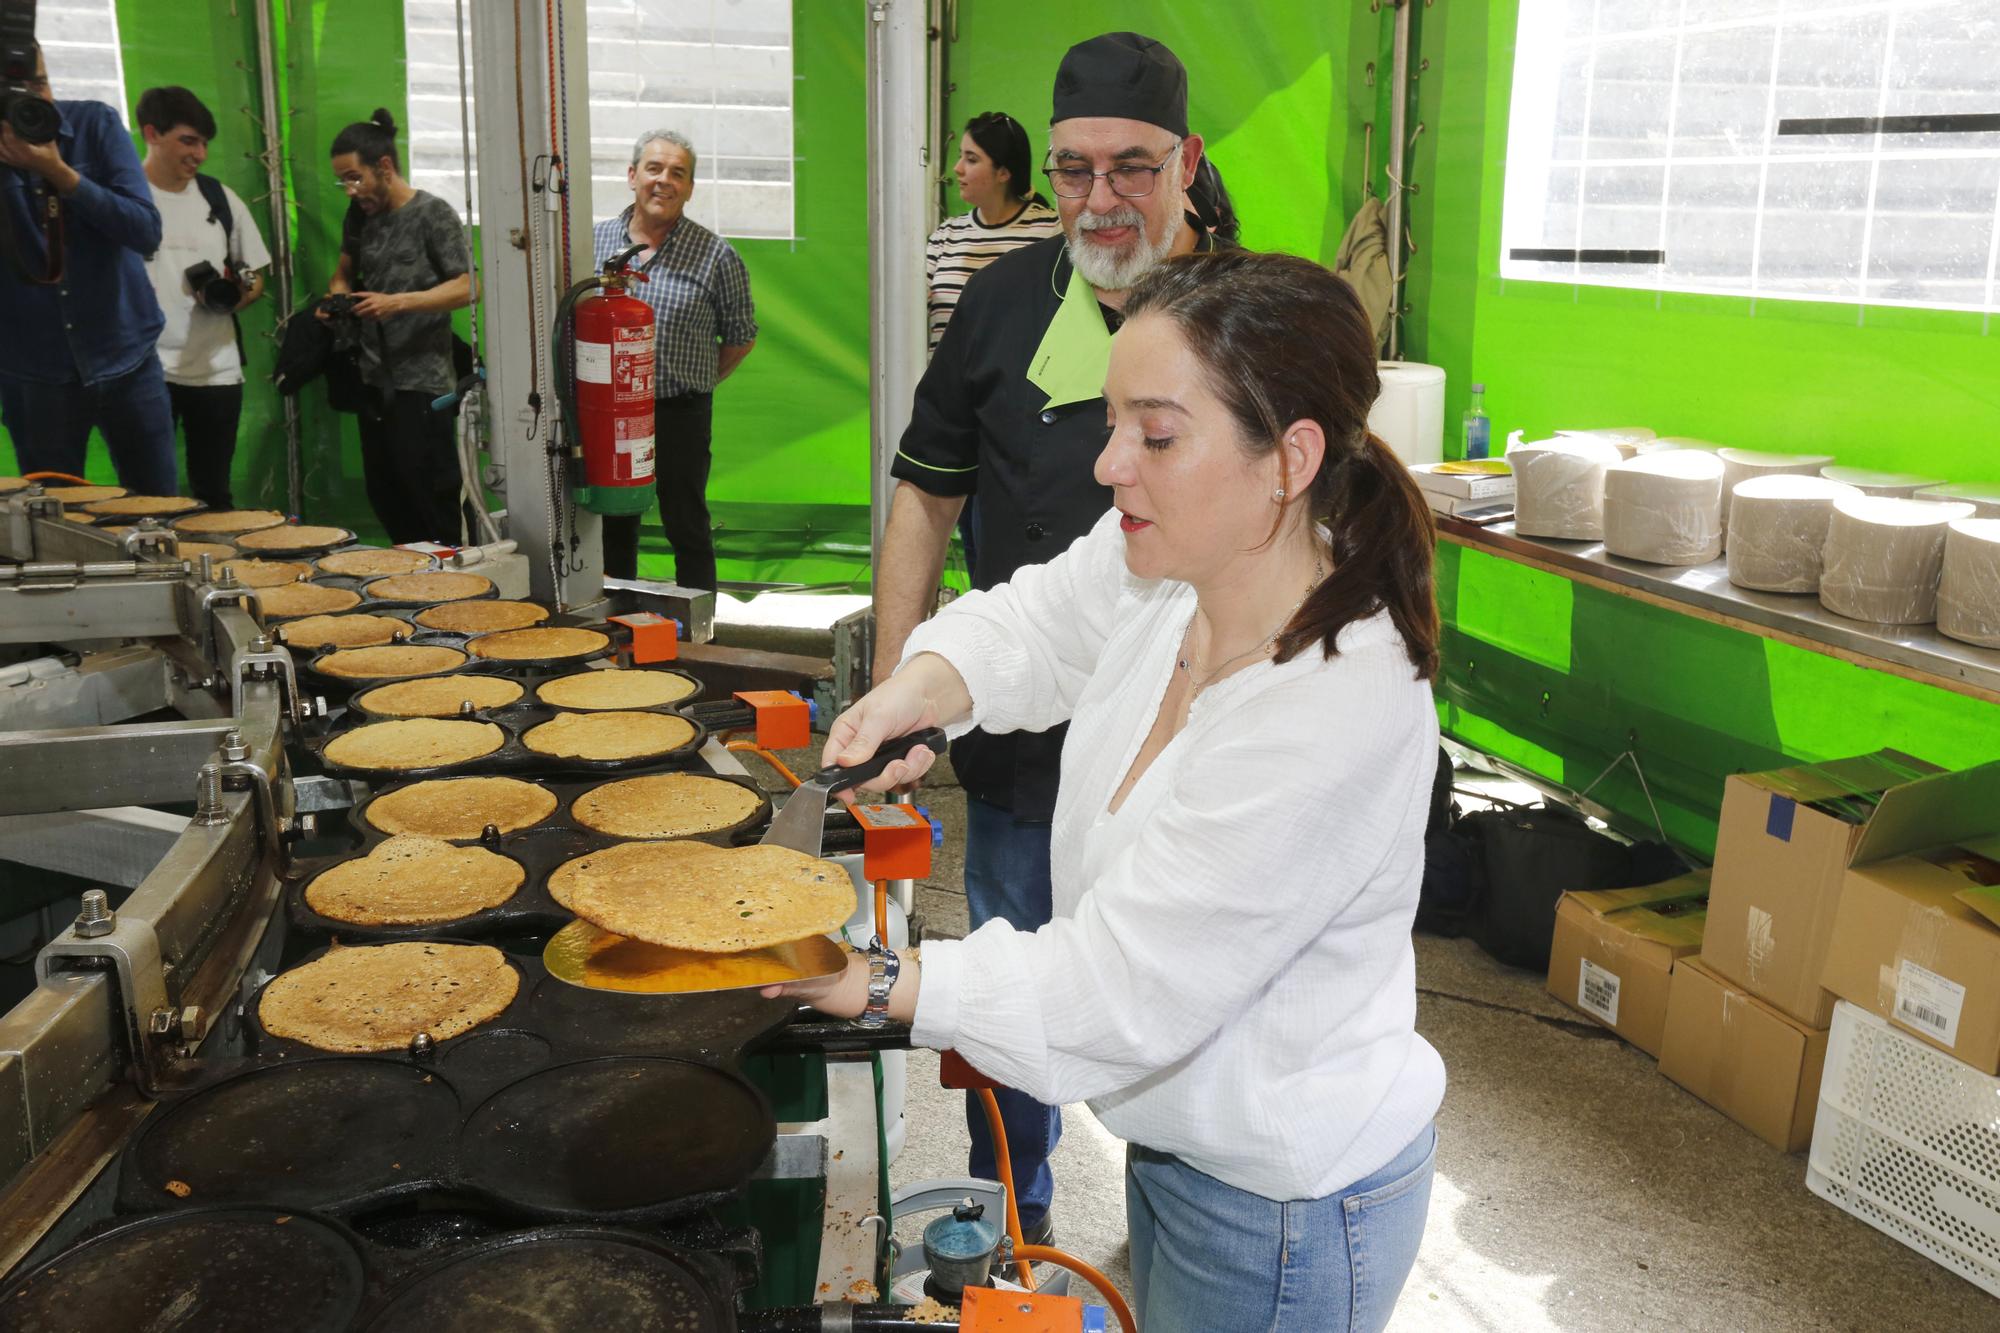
(1124, 76)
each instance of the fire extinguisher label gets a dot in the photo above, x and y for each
(635, 449)
(593, 362)
(632, 365)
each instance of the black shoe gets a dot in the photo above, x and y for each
(1042, 1233)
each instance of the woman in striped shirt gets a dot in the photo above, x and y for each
(994, 172)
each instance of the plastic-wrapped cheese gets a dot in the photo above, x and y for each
(1672, 443)
(1968, 605)
(1629, 440)
(1893, 485)
(1559, 487)
(1983, 496)
(1665, 508)
(1883, 557)
(1778, 530)
(1739, 465)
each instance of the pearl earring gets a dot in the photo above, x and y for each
(1278, 496)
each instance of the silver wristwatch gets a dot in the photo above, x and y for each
(883, 968)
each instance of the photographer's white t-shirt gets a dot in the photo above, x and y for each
(198, 346)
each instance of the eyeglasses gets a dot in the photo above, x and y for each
(1126, 182)
(348, 183)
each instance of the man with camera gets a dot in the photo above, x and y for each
(80, 318)
(205, 270)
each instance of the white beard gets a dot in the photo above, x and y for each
(1112, 271)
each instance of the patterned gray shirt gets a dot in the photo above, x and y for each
(412, 249)
(700, 294)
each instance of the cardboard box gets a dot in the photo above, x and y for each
(1917, 942)
(1484, 487)
(1759, 1067)
(1784, 844)
(1614, 952)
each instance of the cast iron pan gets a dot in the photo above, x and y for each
(531, 681)
(516, 759)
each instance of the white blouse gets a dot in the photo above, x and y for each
(1229, 975)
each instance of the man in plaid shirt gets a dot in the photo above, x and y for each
(704, 326)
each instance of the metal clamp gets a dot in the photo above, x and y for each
(237, 770)
(213, 595)
(262, 661)
(126, 947)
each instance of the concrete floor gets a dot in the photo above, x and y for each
(1576, 1188)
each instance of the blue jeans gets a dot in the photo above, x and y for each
(50, 425)
(1007, 876)
(1209, 1256)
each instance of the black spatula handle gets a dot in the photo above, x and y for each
(838, 778)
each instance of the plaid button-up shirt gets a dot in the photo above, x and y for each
(700, 294)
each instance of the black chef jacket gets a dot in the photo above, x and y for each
(979, 425)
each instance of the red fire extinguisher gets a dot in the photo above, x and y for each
(609, 389)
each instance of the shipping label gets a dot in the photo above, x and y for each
(1928, 1003)
(1597, 993)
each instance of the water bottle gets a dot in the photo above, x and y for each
(1478, 431)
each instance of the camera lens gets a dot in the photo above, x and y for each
(33, 119)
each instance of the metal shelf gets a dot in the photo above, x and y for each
(1914, 652)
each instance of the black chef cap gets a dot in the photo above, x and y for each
(1126, 76)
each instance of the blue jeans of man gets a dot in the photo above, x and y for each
(50, 425)
(1208, 1256)
(1007, 876)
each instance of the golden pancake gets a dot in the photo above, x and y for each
(419, 742)
(404, 659)
(356, 631)
(140, 506)
(669, 805)
(304, 599)
(609, 735)
(227, 521)
(414, 881)
(538, 645)
(295, 537)
(461, 807)
(440, 696)
(266, 573)
(369, 564)
(8, 485)
(378, 997)
(583, 955)
(437, 585)
(481, 617)
(77, 495)
(79, 518)
(688, 895)
(612, 688)
(196, 550)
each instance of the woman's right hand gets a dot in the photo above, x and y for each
(898, 706)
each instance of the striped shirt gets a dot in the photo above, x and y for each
(963, 245)
(700, 294)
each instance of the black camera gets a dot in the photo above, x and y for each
(337, 305)
(217, 291)
(33, 118)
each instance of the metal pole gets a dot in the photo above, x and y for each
(281, 231)
(898, 181)
(1397, 160)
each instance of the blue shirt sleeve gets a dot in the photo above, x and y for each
(113, 196)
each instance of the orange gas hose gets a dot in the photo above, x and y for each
(1046, 1254)
(751, 747)
(1004, 1164)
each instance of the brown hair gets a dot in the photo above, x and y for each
(1283, 340)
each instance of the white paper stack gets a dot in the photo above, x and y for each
(1893, 485)
(1457, 488)
(1739, 465)
(1983, 496)
(1630, 441)
(1883, 558)
(1559, 487)
(1665, 508)
(1968, 605)
(1778, 531)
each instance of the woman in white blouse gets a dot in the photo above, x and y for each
(1243, 650)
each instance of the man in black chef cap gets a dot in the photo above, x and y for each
(1012, 408)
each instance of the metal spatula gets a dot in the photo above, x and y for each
(801, 824)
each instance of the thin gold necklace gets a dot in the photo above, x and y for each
(1194, 669)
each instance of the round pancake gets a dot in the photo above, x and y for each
(482, 617)
(368, 564)
(8, 485)
(79, 517)
(294, 537)
(228, 521)
(356, 631)
(412, 880)
(387, 663)
(304, 599)
(378, 997)
(436, 585)
(440, 696)
(688, 895)
(418, 742)
(77, 495)
(669, 805)
(611, 688)
(538, 645)
(266, 573)
(461, 807)
(609, 735)
(196, 550)
(140, 506)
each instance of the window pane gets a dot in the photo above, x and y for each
(1815, 215)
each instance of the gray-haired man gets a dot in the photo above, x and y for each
(704, 326)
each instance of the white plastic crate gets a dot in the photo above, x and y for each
(1908, 1140)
